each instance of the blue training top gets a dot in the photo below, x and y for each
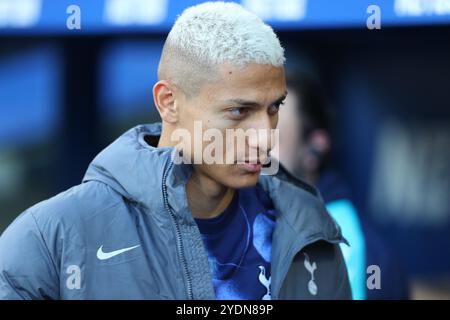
(239, 244)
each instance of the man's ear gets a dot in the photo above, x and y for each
(164, 99)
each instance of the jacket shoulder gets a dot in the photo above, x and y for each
(285, 175)
(77, 203)
(309, 192)
(38, 234)
(301, 205)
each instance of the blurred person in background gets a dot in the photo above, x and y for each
(305, 150)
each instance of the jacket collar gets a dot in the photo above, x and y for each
(134, 167)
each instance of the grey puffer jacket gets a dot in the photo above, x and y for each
(126, 232)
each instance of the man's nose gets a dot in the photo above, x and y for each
(263, 140)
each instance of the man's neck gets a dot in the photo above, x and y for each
(164, 139)
(207, 198)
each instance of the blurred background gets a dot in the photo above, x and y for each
(67, 92)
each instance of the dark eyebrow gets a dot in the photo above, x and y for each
(280, 99)
(248, 103)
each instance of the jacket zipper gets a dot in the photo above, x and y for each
(179, 241)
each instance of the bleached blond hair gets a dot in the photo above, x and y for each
(212, 33)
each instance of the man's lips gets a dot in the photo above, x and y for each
(251, 167)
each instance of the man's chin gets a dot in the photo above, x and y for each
(244, 180)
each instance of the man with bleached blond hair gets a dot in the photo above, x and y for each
(142, 225)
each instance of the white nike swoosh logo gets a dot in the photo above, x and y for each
(108, 255)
